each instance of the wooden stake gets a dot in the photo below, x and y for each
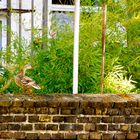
(104, 10)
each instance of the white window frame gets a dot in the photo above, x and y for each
(0, 34)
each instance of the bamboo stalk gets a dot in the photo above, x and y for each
(104, 10)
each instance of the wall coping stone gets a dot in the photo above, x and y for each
(62, 99)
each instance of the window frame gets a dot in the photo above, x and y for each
(0, 34)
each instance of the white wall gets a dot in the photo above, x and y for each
(4, 32)
(26, 19)
(3, 3)
(38, 13)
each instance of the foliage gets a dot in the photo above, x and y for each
(53, 64)
(117, 82)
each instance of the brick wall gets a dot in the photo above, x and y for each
(81, 117)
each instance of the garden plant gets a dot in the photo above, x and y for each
(53, 64)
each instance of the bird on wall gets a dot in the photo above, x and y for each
(25, 82)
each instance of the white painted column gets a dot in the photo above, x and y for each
(76, 46)
(46, 16)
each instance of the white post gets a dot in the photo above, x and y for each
(76, 46)
(46, 16)
(49, 16)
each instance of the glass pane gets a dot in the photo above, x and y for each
(64, 2)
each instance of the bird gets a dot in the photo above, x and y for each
(25, 82)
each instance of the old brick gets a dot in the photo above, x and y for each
(130, 120)
(70, 136)
(107, 119)
(101, 127)
(90, 127)
(119, 119)
(42, 110)
(70, 119)
(3, 127)
(135, 111)
(5, 103)
(126, 111)
(16, 110)
(75, 111)
(14, 127)
(132, 103)
(4, 110)
(95, 136)
(120, 136)
(33, 118)
(132, 136)
(1, 118)
(138, 103)
(57, 136)
(39, 104)
(88, 111)
(45, 119)
(6, 135)
(74, 104)
(113, 127)
(44, 136)
(53, 103)
(19, 135)
(120, 104)
(104, 111)
(113, 112)
(26, 127)
(65, 127)
(97, 104)
(40, 127)
(83, 137)
(125, 127)
(84, 104)
(107, 136)
(77, 127)
(53, 127)
(135, 127)
(28, 104)
(98, 111)
(137, 120)
(29, 110)
(8, 119)
(95, 119)
(53, 111)
(66, 111)
(17, 103)
(58, 119)
(71, 127)
(32, 136)
(107, 104)
(20, 118)
(83, 120)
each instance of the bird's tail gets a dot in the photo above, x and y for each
(34, 85)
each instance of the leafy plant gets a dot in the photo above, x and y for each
(117, 82)
(52, 59)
